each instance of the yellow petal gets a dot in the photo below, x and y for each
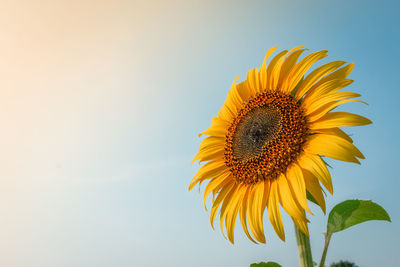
(288, 199)
(231, 216)
(295, 49)
(274, 212)
(215, 131)
(300, 69)
(221, 197)
(263, 69)
(314, 188)
(243, 91)
(289, 63)
(216, 184)
(327, 99)
(298, 186)
(333, 147)
(209, 153)
(302, 225)
(315, 75)
(232, 104)
(211, 141)
(226, 205)
(233, 99)
(207, 171)
(315, 165)
(218, 128)
(339, 74)
(321, 111)
(273, 70)
(225, 113)
(253, 81)
(243, 215)
(249, 214)
(337, 132)
(267, 187)
(255, 210)
(217, 154)
(328, 87)
(339, 119)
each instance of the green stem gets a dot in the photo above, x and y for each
(303, 248)
(327, 240)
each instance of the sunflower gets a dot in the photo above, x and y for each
(265, 148)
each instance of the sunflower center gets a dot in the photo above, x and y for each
(265, 138)
(255, 129)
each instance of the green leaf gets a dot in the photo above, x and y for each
(352, 212)
(265, 264)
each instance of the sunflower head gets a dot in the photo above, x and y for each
(265, 147)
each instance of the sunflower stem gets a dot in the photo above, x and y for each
(327, 240)
(303, 248)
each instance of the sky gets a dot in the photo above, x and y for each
(101, 103)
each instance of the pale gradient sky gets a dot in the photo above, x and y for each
(101, 103)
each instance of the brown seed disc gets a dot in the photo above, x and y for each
(265, 138)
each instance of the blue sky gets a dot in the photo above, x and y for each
(102, 103)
